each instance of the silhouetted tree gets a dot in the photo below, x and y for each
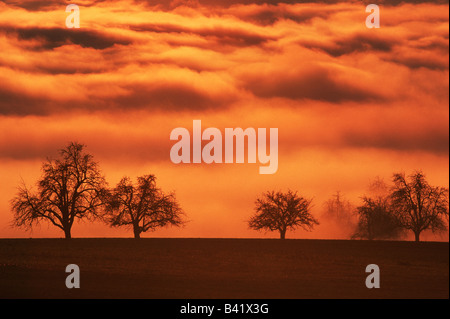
(377, 220)
(418, 205)
(277, 211)
(70, 188)
(340, 211)
(376, 216)
(142, 206)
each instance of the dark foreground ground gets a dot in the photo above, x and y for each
(221, 268)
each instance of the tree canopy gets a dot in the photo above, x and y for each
(418, 205)
(277, 211)
(70, 188)
(376, 214)
(377, 220)
(142, 206)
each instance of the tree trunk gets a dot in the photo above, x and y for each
(67, 233)
(137, 233)
(282, 233)
(417, 236)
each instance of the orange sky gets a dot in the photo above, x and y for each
(350, 103)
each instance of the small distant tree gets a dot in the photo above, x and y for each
(376, 218)
(418, 205)
(142, 206)
(277, 211)
(70, 188)
(340, 211)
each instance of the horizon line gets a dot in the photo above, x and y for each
(223, 238)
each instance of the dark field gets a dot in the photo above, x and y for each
(221, 268)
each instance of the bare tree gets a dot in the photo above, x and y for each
(70, 188)
(142, 206)
(418, 205)
(376, 215)
(277, 211)
(377, 220)
(340, 212)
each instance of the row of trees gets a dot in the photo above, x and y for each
(410, 204)
(72, 188)
(390, 211)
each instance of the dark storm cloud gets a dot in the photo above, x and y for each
(355, 43)
(33, 5)
(50, 38)
(269, 16)
(171, 4)
(167, 97)
(111, 78)
(41, 5)
(171, 97)
(20, 103)
(423, 53)
(415, 62)
(410, 53)
(315, 84)
(67, 69)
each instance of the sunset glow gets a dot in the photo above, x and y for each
(350, 103)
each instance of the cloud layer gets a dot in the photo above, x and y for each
(135, 70)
